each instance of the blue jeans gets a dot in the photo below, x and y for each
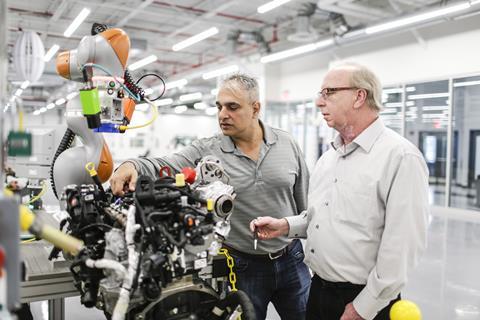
(284, 281)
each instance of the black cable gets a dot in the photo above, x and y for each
(98, 225)
(182, 241)
(157, 76)
(132, 86)
(229, 304)
(65, 143)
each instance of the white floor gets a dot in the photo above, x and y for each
(446, 284)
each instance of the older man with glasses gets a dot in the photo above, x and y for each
(368, 205)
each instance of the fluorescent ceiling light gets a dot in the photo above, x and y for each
(72, 95)
(196, 38)
(60, 101)
(410, 89)
(143, 62)
(50, 106)
(18, 93)
(392, 90)
(466, 83)
(435, 108)
(176, 84)
(200, 106)
(211, 111)
(51, 52)
(180, 109)
(220, 72)
(190, 97)
(428, 96)
(271, 5)
(388, 111)
(25, 84)
(296, 51)
(392, 116)
(214, 92)
(163, 102)
(42, 109)
(433, 115)
(36, 112)
(417, 18)
(410, 103)
(393, 104)
(76, 22)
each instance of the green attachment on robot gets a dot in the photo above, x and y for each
(90, 101)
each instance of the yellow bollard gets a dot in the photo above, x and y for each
(405, 310)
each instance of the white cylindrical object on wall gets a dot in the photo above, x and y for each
(28, 56)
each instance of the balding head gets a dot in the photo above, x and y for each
(362, 77)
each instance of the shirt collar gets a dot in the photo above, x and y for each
(269, 137)
(364, 140)
(367, 138)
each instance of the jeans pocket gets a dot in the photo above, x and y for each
(299, 256)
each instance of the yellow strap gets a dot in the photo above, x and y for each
(232, 277)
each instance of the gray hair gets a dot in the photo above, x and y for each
(243, 82)
(364, 78)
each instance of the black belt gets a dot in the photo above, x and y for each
(265, 257)
(337, 285)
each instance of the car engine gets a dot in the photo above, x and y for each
(154, 253)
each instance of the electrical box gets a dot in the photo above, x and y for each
(19, 144)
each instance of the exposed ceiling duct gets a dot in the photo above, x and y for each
(249, 37)
(304, 32)
(338, 24)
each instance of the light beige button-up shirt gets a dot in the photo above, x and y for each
(367, 215)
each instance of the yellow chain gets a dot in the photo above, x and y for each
(232, 277)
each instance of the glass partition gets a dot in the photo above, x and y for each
(465, 164)
(392, 113)
(426, 123)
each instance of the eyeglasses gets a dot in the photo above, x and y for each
(326, 92)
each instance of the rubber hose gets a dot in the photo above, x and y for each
(65, 143)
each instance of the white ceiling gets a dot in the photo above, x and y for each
(158, 24)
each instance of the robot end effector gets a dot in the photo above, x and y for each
(108, 51)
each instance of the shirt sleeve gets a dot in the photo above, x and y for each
(404, 236)
(300, 189)
(298, 225)
(186, 157)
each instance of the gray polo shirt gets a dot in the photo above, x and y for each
(275, 185)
